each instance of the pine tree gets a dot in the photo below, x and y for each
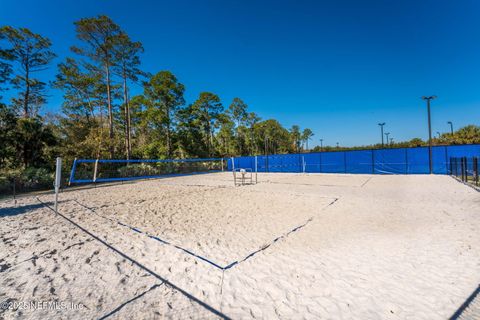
(99, 34)
(206, 110)
(127, 62)
(164, 96)
(31, 52)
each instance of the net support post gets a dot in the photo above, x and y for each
(58, 180)
(233, 170)
(72, 173)
(14, 192)
(95, 171)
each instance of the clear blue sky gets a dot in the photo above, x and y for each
(338, 67)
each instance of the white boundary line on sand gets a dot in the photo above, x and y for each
(138, 264)
(207, 260)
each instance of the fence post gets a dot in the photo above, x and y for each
(446, 158)
(475, 168)
(345, 160)
(463, 168)
(406, 160)
(256, 169)
(373, 161)
(320, 165)
(459, 169)
(456, 167)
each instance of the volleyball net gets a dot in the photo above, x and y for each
(99, 170)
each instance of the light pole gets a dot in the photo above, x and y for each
(391, 141)
(438, 133)
(381, 130)
(451, 127)
(321, 145)
(429, 132)
(387, 134)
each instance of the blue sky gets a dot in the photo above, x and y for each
(337, 67)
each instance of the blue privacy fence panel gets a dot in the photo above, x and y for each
(284, 163)
(439, 159)
(262, 163)
(312, 162)
(417, 160)
(390, 161)
(243, 162)
(359, 161)
(471, 150)
(379, 161)
(333, 162)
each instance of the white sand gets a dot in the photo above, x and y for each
(346, 247)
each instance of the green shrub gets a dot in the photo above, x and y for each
(26, 180)
(37, 178)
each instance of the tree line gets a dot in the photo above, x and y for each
(99, 117)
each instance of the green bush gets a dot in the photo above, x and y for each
(6, 180)
(37, 178)
(5, 185)
(29, 179)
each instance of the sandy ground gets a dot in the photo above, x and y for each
(294, 246)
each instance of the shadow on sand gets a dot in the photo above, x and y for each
(14, 211)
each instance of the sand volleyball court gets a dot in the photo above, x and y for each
(293, 246)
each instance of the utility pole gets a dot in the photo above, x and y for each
(428, 99)
(381, 130)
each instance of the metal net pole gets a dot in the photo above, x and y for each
(58, 179)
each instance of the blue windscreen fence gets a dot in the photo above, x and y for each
(377, 161)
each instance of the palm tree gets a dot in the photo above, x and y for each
(468, 134)
(307, 134)
(296, 137)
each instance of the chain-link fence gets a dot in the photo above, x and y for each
(465, 169)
